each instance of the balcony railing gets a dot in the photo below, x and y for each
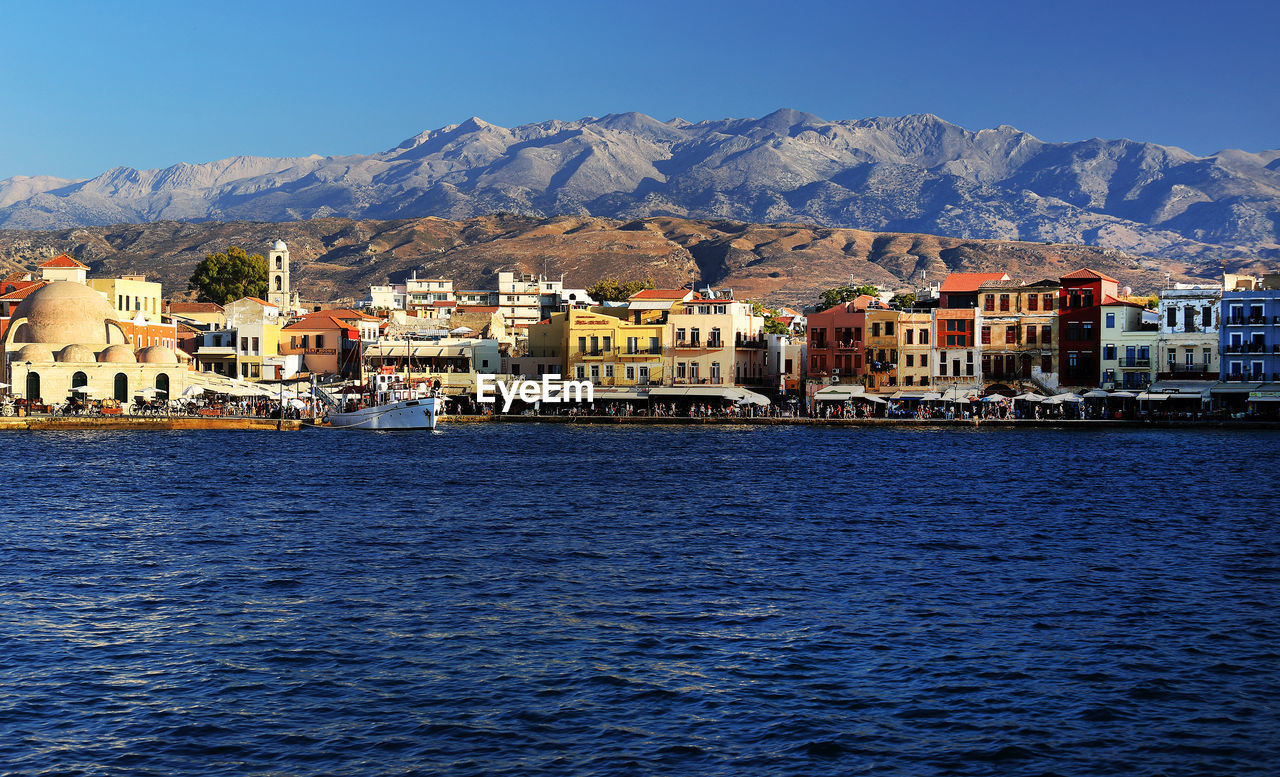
(1131, 362)
(1245, 348)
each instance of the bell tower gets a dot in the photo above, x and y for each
(278, 277)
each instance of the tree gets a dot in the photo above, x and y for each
(224, 277)
(610, 290)
(903, 301)
(846, 293)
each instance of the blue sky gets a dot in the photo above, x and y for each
(88, 86)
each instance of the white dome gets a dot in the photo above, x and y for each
(279, 246)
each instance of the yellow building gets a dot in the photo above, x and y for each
(1019, 334)
(717, 342)
(913, 347)
(598, 345)
(881, 362)
(130, 295)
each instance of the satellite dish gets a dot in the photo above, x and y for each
(1128, 290)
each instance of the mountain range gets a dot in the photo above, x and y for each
(914, 173)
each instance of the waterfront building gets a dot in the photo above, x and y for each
(386, 296)
(1128, 340)
(130, 295)
(1188, 347)
(915, 350)
(956, 351)
(880, 362)
(64, 342)
(717, 340)
(1079, 325)
(961, 289)
(519, 298)
(330, 341)
(245, 345)
(454, 362)
(835, 341)
(599, 345)
(1249, 332)
(1018, 335)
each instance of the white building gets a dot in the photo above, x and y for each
(1188, 342)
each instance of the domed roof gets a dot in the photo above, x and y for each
(32, 353)
(279, 246)
(77, 353)
(122, 354)
(157, 354)
(63, 312)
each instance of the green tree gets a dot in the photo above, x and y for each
(610, 290)
(846, 293)
(903, 301)
(224, 277)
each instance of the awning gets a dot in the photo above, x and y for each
(1264, 399)
(839, 392)
(1095, 394)
(875, 400)
(621, 393)
(1147, 396)
(1234, 388)
(731, 393)
(1123, 394)
(1030, 396)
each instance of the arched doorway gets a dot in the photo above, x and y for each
(33, 386)
(121, 392)
(162, 385)
(79, 379)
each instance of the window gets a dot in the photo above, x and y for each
(244, 345)
(942, 366)
(1208, 357)
(582, 345)
(989, 302)
(1046, 364)
(680, 335)
(681, 370)
(715, 372)
(256, 345)
(595, 345)
(305, 341)
(319, 341)
(581, 372)
(632, 344)
(654, 347)
(888, 329)
(909, 334)
(911, 360)
(693, 372)
(1086, 330)
(875, 329)
(1004, 301)
(713, 338)
(924, 360)
(694, 336)
(720, 310)
(644, 373)
(1033, 302)
(1010, 335)
(595, 373)
(1073, 330)
(1206, 316)
(1031, 335)
(608, 370)
(1046, 334)
(986, 335)
(631, 372)
(1109, 352)
(924, 336)
(1111, 321)
(608, 343)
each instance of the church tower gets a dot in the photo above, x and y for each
(278, 277)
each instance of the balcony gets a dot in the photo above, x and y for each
(881, 366)
(1135, 363)
(1245, 348)
(750, 342)
(215, 351)
(690, 345)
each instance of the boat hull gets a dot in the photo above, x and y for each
(408, 414)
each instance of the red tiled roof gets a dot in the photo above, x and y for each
(1084, 273)
(23, 288)
(660, 294)
(477, 309)
(262, 302)
(968, 282)
(64, 261)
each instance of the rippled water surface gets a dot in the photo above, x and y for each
(517, 599)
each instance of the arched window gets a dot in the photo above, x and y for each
(279, 262)
(279, 283)
(33, 385)
(162, 385)
(122, 387)
(79, 379)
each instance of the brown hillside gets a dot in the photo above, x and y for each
(337, 259)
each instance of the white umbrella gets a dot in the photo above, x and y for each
(1030, 396)
(192, 391)
(994, 398)
(148, 391)
(1123, 394)
(83, 390)
(1095, 394)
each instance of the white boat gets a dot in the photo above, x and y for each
(394, 407)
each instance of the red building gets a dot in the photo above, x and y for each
(960, 289)
(835, 340)
(953, 337)
(1080, 325)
